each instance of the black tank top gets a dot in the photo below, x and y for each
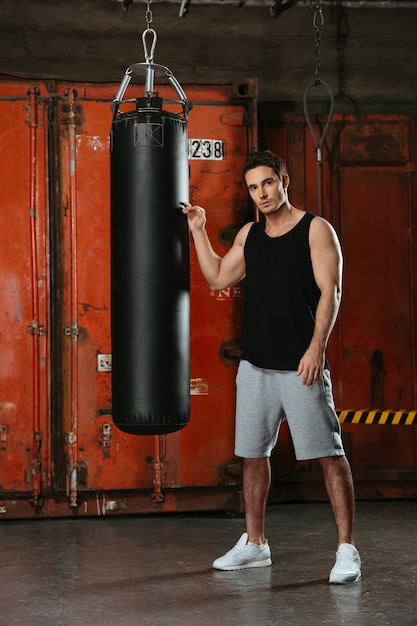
(281, 297)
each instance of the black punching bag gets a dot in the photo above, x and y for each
(150, 283)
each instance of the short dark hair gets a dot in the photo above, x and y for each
(268, 158)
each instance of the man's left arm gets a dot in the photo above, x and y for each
(326, 257)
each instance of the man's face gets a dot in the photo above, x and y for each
(266, 189)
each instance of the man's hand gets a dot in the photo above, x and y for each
(311, 366)
(196, 216)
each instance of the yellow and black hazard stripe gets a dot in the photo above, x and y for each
(377, 417)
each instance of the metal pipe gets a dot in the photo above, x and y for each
(177, 86)
(150, 76)
(34, 328)
(123, 86)
(72, 438)
(55, 349)
(159, 444)
(350, 4)
(300, 4)
(150, 70)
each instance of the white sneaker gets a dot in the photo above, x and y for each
(347, 568)
(244, 555)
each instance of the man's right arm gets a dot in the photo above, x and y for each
(220, 273)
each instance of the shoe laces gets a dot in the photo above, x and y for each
(238, 548)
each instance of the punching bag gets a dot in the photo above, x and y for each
(150, 283)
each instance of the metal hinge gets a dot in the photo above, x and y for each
(72, 331)
(106, 439)
(4, 430)
(36, 329)
(70, 438)
(106, 435)
(104, 362)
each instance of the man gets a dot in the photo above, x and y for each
(292, 264)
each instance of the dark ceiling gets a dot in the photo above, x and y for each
(367, 47)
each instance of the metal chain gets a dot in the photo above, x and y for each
(338, 17)
(318, 23)
(148, 14)
(149, 31)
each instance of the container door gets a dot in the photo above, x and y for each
(60, 453)
(99, 468)
(368, 189)
(375, 167)
(24, 284)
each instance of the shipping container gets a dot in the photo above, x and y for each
(60, 453)
(367, 186)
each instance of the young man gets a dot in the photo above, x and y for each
(292, 264)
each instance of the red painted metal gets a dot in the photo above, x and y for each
(60, 453)
(369, 185)
(89, 467)
(23, 317)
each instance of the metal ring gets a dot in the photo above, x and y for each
(318, 144)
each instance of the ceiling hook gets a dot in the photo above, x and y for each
(184, 8)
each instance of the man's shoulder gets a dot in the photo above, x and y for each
(322, 232)
(319, 224)
(243, 233)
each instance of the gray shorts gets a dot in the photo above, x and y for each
(267, 397)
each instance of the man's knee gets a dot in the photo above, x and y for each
(339, 460)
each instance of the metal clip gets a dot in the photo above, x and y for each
(318, 18)
(149, 55)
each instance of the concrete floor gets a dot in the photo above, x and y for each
(128, 571)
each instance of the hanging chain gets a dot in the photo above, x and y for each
(318, 23)
(149, 31)
(148, 14)
(338, 17)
